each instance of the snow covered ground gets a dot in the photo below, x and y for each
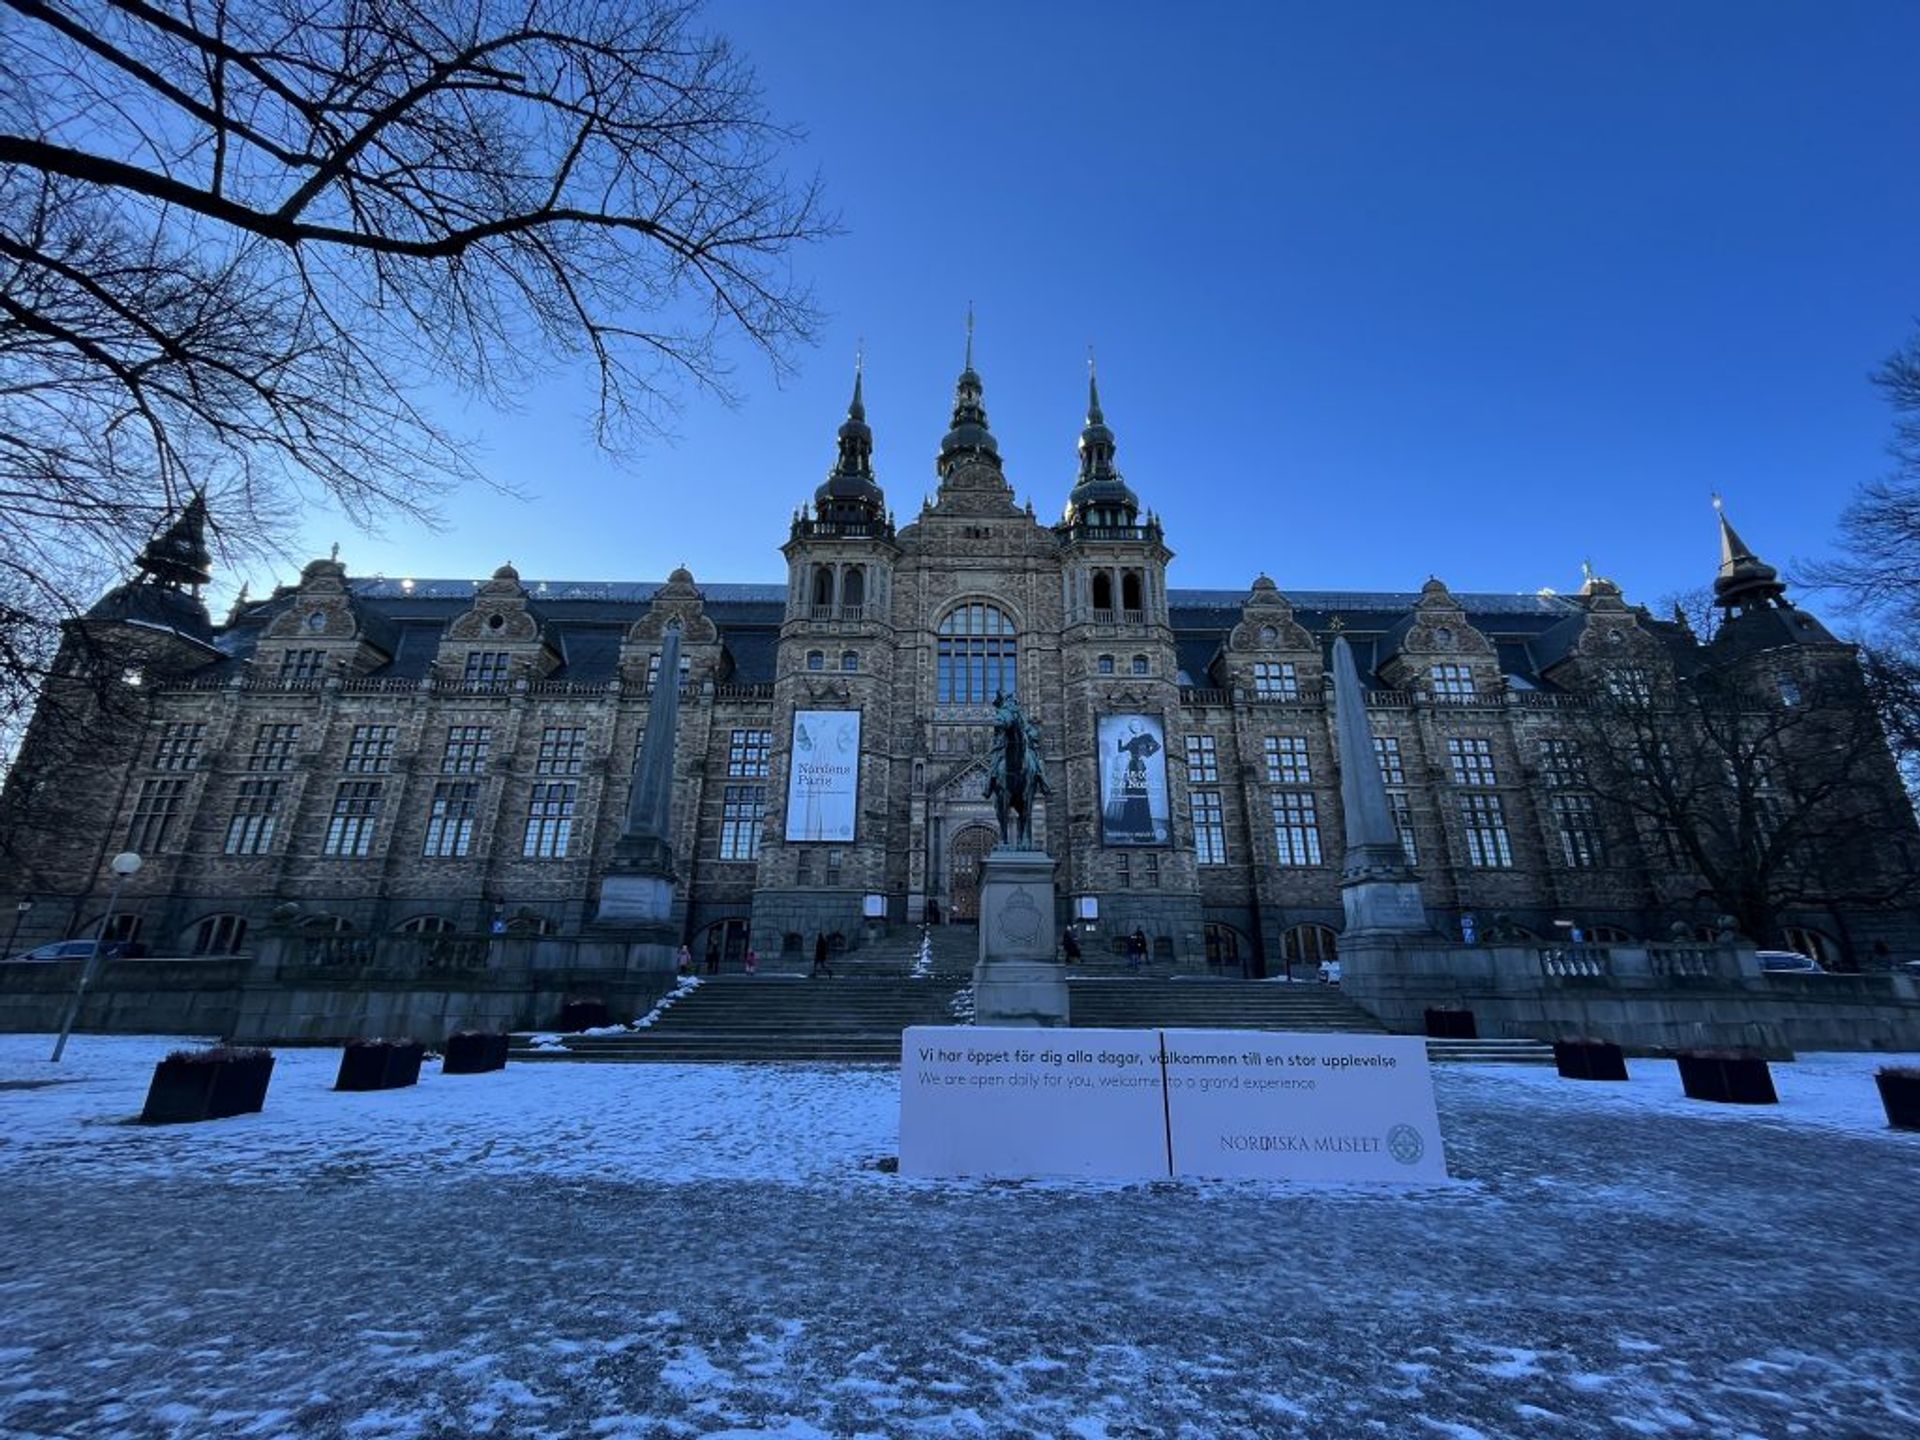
(640, 1251)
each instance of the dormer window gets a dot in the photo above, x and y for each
(486, 668)
(653, 669)
(1275, 680)
(300, 666)
(1455, 681)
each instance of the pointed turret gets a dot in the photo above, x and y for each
(968, 436)
(168, 574)
(177, 557)
(850, 495)
(1745, 581)
(1099, 498)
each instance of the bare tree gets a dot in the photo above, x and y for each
(239, 239)
(1879, 573)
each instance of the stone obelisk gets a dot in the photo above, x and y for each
(637, 891)
(1378, 889)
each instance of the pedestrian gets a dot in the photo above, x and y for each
(1136, 949)
(683, 962)
(820, 965)
(1070, 946)
(713, 959)
(752, 961)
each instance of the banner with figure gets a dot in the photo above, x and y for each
(823, 777)
(1133, 781)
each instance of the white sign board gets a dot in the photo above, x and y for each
(1150, 1103)
(823, 775)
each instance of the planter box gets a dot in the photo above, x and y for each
(1728, 1079)
(584, 1015)
(1901, 1095)
(1452, 1025)
(207, 1085)
(474, 1052)
(1589, 1060)
(380, 1065)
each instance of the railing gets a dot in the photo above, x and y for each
(337, 952)
(743, 692)
(378, 685)
(851, 530)
(1590, 962)
(1389, 699)
(1196, 695)
(1124, 533)
(565, 687)
(1100, 616)
(460, 685)
(412, 954)
(1683, 961)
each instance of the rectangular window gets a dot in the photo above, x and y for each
(1203, 762)
(1125, 871)
(178, 747)
(1287, 760)
(1454, 681)
(1386, 749)
(1402, 807)
(1563, 764)
(1275, 680)
(1296, 829)
(273, 747)
(563, 750)
(300, 667)
(1486, 827)
(1472, 762)
(747, 754)
(370, 750)
(154, 812)
(467, 747)
(450, 819)
(803, 868)
(1579, 826)
(356, 811)
(742, 809)
(1630, 683)
(686, 668)
(1209, 827)
(1152, 867)
(250, 828)
(486, 669)
(550, 820)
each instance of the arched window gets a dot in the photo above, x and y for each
(217, 935)
(1140, 665)
(816, 659)
(1102, 591)
(849, 659)
(975, 655)
(853, 587)
(1309, 944)
(1810, 943)
(822, 585)
(1610, 935)
(1130, 591)
(428, 925)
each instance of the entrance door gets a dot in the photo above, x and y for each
(968, 849)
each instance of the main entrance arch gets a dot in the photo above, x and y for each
(968, 848)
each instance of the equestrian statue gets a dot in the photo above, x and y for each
(1017, 776)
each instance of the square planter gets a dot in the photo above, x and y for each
(207, 1085)
(1451, 1025)
(1900, 1093)
(1589, 1060)
(1728, 1079)
(578, 1015)
(474, 1052)
(380, 1065)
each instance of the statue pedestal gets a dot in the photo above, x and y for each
(1385, 907)
(1017, 980)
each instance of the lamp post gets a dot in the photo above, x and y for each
(19, 915)
(123, 865)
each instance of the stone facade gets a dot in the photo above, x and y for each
(361, 757)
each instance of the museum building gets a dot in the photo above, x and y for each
(381, 756)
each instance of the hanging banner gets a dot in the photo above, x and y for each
(1133, 781)
(823, 778)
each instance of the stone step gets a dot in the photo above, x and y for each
(1485, 1052)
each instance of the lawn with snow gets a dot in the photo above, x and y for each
(639, 1251)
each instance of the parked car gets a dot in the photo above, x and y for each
(1790, 962)
(80, 949)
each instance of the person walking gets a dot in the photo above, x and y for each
(752, 962)
(820, 965)
(1136, 949)
(1070, 946)
(683, 962)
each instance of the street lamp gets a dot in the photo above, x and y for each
(19, 914)
(123, 865)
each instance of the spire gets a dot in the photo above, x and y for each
(1745, 581)
(968, 435)
(1100, 497)
(1378, 888)
(850, 495)
(646, 840)
(177, 557)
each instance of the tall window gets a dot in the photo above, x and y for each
(1562, 764)
(747, 753)
(550, 820)
(450, 819)
(154, 811)
(686, 669)
(1287, 760)
(255, 806)
(1104, 665)
(975, 655)
(1486, 827)
(486, 669)
(1296, 829)
(177, 747)
(467, 747)
(1579, 826)
(1386, 749)
(1630, 683)
(1452, 680)
(742, 809)
(1402, 809)
(1209, 827)
(1203, 762)
(1275, 680)
(563, 750)
(1472, 762)
(300, 666)
(273, 747)
(1140, 665)
(370, 750)
(356, 811)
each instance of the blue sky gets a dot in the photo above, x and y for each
(1378, 291)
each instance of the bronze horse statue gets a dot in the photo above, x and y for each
(1017, 776)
